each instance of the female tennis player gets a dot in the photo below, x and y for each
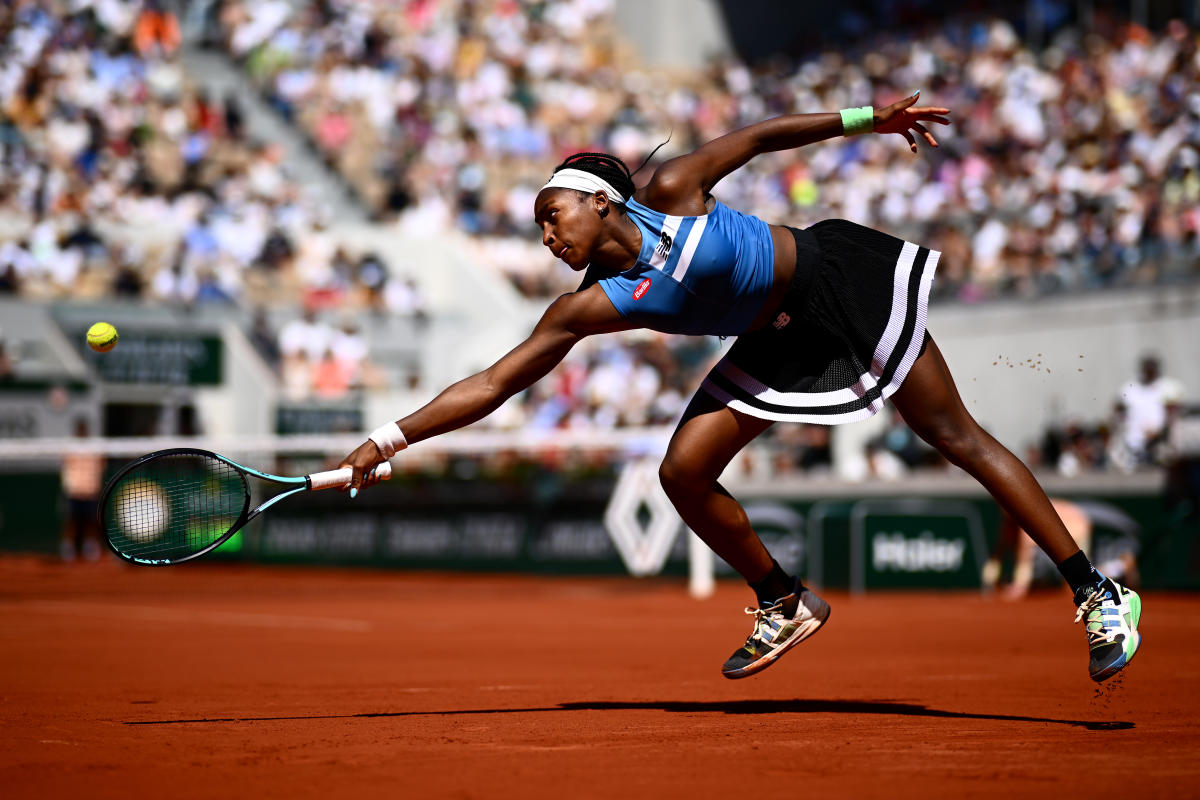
(830, 322)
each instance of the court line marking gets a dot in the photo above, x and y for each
(117, 612)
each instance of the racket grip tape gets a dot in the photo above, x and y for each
(337, 478)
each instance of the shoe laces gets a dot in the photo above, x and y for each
(762, 617)
(1091, 603)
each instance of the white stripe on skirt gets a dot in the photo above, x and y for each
(886, 347)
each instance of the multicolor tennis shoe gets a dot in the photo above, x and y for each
(775, 631)
(1112, 612)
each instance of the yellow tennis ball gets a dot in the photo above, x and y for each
(102, 337)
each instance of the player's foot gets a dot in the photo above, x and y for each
(1112, 612)
(775, 632)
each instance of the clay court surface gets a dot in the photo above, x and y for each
(211, 681)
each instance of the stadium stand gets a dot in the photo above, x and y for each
(122, 177)
(1079, 167)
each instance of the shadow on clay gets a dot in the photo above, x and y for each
(882, 707)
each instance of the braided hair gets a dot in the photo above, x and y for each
(603, 166)
(609, 168)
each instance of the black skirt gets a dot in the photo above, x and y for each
(846, 334)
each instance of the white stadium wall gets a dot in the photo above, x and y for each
(1088, 346)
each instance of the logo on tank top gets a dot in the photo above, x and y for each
(664, 245)
(781, 321)
(642, 288)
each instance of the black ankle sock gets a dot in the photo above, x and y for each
(1078, 571)
(774, 585)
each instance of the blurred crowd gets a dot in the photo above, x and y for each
(1070, 167)
(640, 378)
(446, 106)
(316, 359)
(120, 177)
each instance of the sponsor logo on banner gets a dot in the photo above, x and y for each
(642, 288)
(896, 552)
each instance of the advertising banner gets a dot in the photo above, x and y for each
(544, 522)
(156, 357)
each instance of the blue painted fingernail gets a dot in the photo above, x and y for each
(353, 493)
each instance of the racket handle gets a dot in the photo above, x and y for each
(337, 478)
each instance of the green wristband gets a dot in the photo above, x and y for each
(858, 120)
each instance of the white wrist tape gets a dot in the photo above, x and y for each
(389, 439)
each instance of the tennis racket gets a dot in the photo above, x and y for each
(171, 506)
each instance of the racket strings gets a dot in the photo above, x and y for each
(174, 506)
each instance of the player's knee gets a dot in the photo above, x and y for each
(961, 444)
(676, 477)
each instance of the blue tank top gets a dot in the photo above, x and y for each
(705, 275)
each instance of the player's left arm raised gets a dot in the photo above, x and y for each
(703, 168)
(904, 118)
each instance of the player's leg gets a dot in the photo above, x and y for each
(89, 522)
(929, 402)
(68, 545)
(707, 439)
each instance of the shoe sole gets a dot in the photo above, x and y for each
(805, 631)
(1112, 669)
(1119, 664)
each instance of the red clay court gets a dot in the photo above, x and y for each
(212, 681)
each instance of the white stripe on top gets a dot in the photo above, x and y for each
(670, 228)
(689, 249)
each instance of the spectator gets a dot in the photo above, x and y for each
(156, 30)
(306, 336)
(403, 296)
(82, 479)
(331, 377)
(263, 338)
(1143, 408)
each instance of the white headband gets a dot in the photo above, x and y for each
(584, 182)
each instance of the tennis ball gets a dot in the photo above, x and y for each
(102, 337)
(143, 511)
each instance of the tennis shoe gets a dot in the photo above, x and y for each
(775, 632)
(1112, 612)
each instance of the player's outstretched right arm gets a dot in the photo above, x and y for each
(568, 319)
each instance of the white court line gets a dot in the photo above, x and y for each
(120, 613)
